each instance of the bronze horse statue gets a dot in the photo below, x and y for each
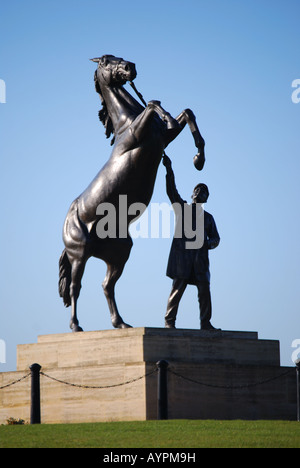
(140, 135)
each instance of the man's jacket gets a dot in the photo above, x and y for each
(190, 264)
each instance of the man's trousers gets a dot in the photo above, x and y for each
(204, 298)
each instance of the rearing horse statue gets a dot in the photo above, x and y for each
(140, 136)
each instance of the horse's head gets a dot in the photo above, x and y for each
(114, 71)
(111, 72)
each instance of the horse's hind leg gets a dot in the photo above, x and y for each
(112, 275)
(76, 276)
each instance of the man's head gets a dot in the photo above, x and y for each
(200, 193)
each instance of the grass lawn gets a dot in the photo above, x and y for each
(155, 434)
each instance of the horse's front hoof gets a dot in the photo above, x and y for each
(154, 103)
(199, 161)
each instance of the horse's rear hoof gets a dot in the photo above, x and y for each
(76, 328)
(122, 325)
(125, 325)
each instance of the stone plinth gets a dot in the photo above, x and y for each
(134, 345)
(212, 374)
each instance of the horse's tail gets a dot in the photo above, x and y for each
(64, 278)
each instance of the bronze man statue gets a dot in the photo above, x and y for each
(190, 266)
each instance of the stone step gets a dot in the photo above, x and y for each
(135, 345)
(177, 332)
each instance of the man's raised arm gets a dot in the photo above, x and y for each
(170, 182)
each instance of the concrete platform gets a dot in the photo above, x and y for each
(212, 375)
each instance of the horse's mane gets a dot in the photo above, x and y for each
(103, 113)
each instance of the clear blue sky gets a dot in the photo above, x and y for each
(232, 62)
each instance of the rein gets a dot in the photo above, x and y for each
(141, 98)
(138, 93)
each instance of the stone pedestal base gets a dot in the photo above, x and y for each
(111, 375)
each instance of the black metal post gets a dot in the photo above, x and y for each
(35, 409)
(162, 390)
(298, 388)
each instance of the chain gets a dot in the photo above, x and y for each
(103, 386)
(234, 387)
(15, 381)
